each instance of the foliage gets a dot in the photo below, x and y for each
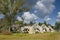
(57, 26)
(10, 8)
(31, 23)
(6, 32)
(20, 23)
(45, 23)
(40, 24)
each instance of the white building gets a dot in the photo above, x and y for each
(36, 28)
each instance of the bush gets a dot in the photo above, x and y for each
(6, 32)
(57, 26)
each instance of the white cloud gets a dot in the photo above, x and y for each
(58, 13)
(47, 18)
(57, 19)
(44, 7)
(35, 11)
(58, 16)
(27, 16)
(41, 9)
(19, 18)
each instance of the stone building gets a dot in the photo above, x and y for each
(33, 29)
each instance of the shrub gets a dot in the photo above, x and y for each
(6, 32)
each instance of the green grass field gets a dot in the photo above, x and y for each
(19, 36)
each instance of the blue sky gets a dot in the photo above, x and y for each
(52, 16)
(55, 12)
(42, 10)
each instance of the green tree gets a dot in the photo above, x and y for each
(40, 24)
(57, 26)
(31, 23)
(20, 23)
(10, 8)
(45, 23)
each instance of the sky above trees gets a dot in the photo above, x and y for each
(42, 10)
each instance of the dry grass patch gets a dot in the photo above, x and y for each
(44, 36)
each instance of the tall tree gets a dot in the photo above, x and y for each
(31, 23)
(57, 26)
(39, 23)
(45, 23)
(10, 8)
(20, 23)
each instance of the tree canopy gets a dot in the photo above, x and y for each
(10, 8)
(57, 26)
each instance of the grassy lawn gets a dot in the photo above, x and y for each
(44, 36)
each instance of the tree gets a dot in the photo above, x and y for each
(57, 26)
(20, 23)
(3, 24)
(40, 24)
(31, 23)
(45, 23)
(10, 8)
